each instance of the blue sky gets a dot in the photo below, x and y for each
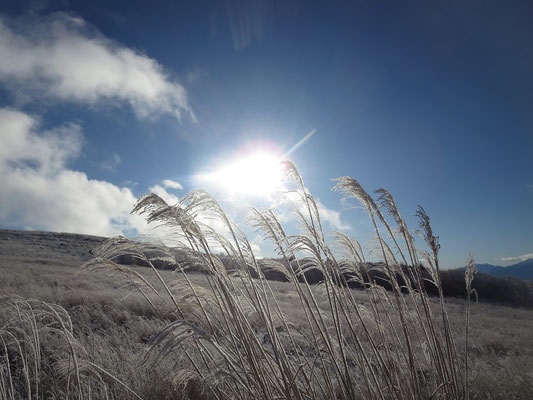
(101, 102)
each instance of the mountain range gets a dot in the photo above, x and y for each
(521, 270)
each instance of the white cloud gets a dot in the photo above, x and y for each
(518, 258)
(332, 217)
(168, 183)
(256, 249)
(39, 191)
(62, 57)
(112, 162)
(283, 203)
(169, 198)
(46, 152)
(284, 207)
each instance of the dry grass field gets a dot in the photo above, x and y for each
(107, 330)
(114, 325)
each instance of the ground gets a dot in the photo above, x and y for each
(114, 323)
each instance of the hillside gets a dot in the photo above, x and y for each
(112, 325)
(522, 270)
(33, 247)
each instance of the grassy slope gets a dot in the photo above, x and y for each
(114, 325)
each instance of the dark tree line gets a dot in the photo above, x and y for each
(503, 290)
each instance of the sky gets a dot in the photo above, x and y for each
(101, 102)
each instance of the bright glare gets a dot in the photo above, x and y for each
(257, 174)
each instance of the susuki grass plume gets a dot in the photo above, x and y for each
(40, 356)
(236, 339)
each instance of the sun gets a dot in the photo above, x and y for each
(258, 173)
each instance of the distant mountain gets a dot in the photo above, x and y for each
(521, 270)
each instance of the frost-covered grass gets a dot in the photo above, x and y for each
(114, 329)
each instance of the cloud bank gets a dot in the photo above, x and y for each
(39, 191)
(518, 258)
(286, 204)
(168, 183)
(169, 198)
(61, 57)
